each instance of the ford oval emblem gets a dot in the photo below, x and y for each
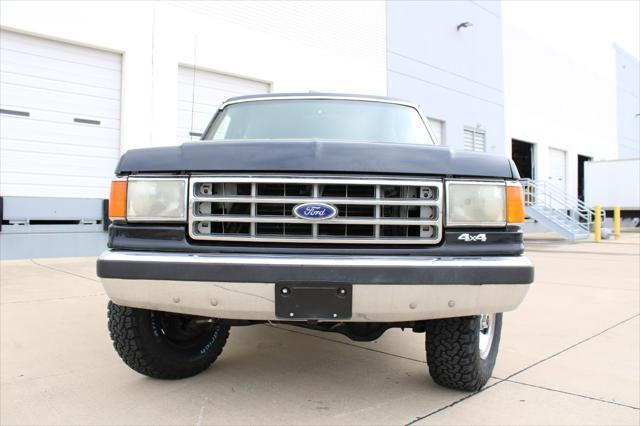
(315, 211)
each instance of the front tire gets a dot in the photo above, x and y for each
(164, 345)
(461, 352)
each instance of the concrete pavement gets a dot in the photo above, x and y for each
(569, 355)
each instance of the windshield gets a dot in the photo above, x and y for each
(338, 119)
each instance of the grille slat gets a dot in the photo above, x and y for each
(286, 219)
(370, 210)
(299, 200)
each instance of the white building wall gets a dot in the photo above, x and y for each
(455, 75)
(628, 103)
(554, 102)
(293, 46)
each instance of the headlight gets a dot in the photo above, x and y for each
(476, 203)
(156, 199)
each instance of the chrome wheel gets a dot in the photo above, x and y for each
(485, 339)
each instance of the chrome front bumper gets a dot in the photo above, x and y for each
(385, 288)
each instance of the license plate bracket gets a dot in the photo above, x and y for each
(313, 300)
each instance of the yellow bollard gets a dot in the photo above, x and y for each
(616, 222)
(597, 225)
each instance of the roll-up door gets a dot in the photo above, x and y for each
(60, 118)
(201, 92)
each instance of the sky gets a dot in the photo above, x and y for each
(583, 29)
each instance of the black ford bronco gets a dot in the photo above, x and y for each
(332, 212)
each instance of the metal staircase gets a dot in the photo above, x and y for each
(558, 211)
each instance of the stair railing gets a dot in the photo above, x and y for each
(559, 203)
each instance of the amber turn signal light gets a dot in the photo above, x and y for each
(515, 203)
(118, 200)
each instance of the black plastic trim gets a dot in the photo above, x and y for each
(172, 238)
(86, 121)
(376, 274)
(15, 112)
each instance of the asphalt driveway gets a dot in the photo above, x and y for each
(569, 355)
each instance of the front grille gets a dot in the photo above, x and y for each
(370, 210)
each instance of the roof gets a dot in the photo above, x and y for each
(314, 95)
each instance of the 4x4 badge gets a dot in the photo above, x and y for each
(471, 238)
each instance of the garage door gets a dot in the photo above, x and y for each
(201, 92)
(60, 118)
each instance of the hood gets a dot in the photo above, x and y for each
(314, 156)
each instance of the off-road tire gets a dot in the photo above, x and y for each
(453, 354)
(142, 343)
